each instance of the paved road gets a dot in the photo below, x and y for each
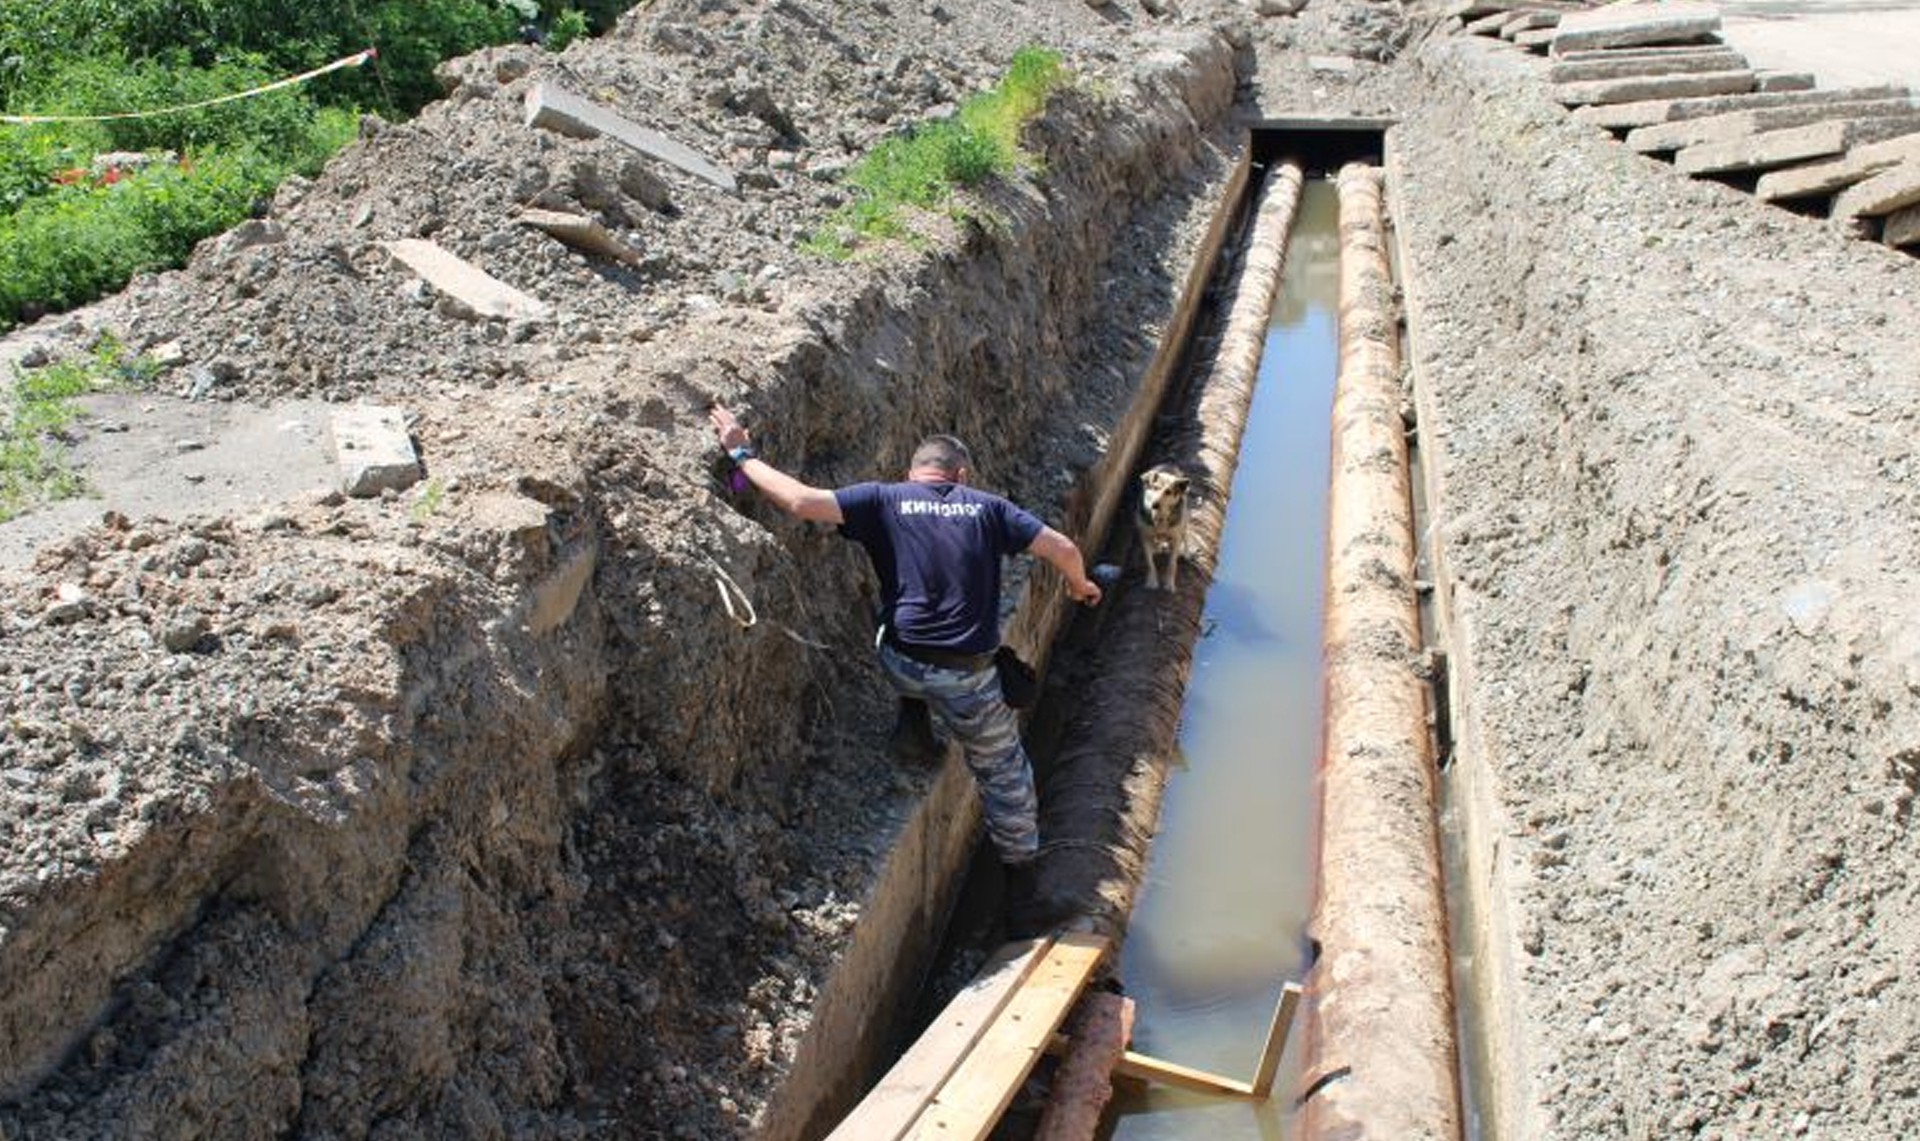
(1842, 42)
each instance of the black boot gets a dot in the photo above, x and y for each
(1026, 916)
(913, 738)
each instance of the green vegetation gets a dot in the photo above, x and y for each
(923, 167)
(40, 404)
(69, 233)
(432, 494)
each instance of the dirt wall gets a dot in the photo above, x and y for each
(1670, 433)
(361, 820)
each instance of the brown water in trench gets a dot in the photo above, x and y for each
(1221, 921)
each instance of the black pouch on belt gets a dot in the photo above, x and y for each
(1019, 685)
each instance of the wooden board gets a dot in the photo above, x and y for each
(887, 1112)
(970, 1103)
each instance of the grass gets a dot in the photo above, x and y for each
(432, 494)
(40, 405)
(922, 168)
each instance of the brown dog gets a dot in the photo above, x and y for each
(1163, 521)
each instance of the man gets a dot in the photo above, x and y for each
(936, 545)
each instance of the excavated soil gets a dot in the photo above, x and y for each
(478, 817)
(1675, 431)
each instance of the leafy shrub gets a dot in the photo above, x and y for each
(568, 26)
(922, 167)
(277, 120)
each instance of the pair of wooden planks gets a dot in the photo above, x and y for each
(956, 1081)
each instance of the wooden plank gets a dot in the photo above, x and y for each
(1276, 1044)
(1150, 1069)
(970, 1103)
(889, 1109)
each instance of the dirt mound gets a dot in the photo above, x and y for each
(1676, 431)
(474, 813)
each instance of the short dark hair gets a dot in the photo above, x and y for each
(944, 452)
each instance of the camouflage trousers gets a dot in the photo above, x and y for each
(970, 706)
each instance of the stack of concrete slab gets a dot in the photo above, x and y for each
(1660, 73)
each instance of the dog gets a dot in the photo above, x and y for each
(1162, 521)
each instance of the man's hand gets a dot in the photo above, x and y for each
(727, 427)
(1086, 591)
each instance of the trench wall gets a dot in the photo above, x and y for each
(398, 904)
(1668, 434)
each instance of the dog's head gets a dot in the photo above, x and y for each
(1163, 489)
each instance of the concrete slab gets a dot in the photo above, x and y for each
(1633, 25)
(1860, 41)
(1681, 51)
(1739, 124)
(1488, 25)
(1622, 116)
(1784, 81)
(1535, 40)
(1818, 180)
(144, 455)
(1527, 22)
(472, 286)
(1903, 228)
(1771, 149)
(1643, 87)
(580, 232)
(1588, 70)
(1881, 195)
(373, 450)
(554, 108)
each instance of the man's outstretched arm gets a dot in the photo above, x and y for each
(787, 493)
(1059, 550)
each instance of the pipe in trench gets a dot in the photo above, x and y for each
(1101, 793)
(1380, 1043)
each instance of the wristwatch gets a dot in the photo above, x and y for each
(742, 454)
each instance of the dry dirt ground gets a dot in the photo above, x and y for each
(476, 817)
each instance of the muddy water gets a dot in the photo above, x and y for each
(1222, 917)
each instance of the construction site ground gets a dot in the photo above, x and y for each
(469, 811)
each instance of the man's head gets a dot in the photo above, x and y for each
(941, 459)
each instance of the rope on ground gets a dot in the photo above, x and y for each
(731, 590)
(354, 60)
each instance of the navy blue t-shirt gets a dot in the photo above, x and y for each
(937, 549)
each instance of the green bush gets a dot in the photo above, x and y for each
(277, 120)
(922, 167)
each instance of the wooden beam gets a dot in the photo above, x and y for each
(1150, 1069)
(970, 1103)
(889, 1110)
(1283, 1012)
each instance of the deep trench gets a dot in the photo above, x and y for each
(1229, 888)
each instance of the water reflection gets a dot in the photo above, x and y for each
(1222, 917)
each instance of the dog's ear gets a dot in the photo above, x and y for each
(1179, 482)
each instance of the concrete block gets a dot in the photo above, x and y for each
(1527, 22)
(1634, 25)
(554, 108)
(373, 450)
(1818, 180)
(1739, 124)
(1903, 228)
(467, 283)
(1588, 70)
(1771, 149)
(1488, 25)
(1682, 51)
(1621, 116)
(580, 232)
(1784, 81)
(1883, 194)
(1643, 87)
(1535, 40)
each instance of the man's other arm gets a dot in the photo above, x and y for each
(1059, 550)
